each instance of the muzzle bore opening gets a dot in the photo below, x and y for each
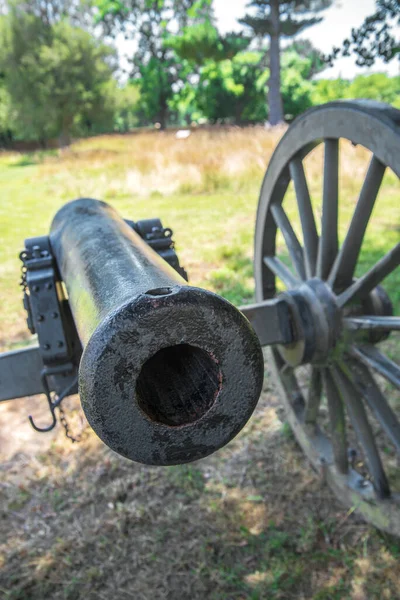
(178, 385)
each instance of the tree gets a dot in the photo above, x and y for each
(58, 76)
(376, 86)
(127, 101)
(329, 90)
(296, 87)
(232, 90)
(305, 49)
(77, 12)
(201, 42)
(155, 65)
(7, 117)
(274, 19)
(375, 38)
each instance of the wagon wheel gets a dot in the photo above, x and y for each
(341, 404)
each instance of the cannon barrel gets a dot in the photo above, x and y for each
(169, 373)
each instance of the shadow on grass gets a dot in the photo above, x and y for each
(251, 522)
(33, 158)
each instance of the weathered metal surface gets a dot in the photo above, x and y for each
(169, 373)
(272, 321)
(20, 373)
(49, 315)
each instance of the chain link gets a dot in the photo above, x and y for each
(65, 424)
(23, 283)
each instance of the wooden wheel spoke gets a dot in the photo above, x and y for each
(372, 278)
(371, 323)
(292, 243)
(310, 235)
(328, 244)
(314, 397)
(359, 419)
(345, 264)
(371, 357)
(337, 422)
(288, 376)
(370, 391)
(281, 271)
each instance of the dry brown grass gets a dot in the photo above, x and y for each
(150, 163)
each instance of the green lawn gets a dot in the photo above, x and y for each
(251, 522)
(209, 202)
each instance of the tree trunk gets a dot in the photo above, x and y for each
(274, 84)
(64, 139)
(163, 114)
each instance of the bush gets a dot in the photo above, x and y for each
(376, 86)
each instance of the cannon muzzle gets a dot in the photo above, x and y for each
(169, 373)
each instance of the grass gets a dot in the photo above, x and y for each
(251, 522)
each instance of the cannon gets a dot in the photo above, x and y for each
(168, 373)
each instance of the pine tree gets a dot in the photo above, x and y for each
(274, 19)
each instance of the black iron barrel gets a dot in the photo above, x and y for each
(169, 373)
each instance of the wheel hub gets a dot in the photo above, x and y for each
(318, 322)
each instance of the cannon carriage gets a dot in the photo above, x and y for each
(170, 373)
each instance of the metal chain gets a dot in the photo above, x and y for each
(23, 256)
(64, 423)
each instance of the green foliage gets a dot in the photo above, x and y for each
(305, 49)
(7, 117)
(155, 65)
(77, 12)
(328, 90)
(274, 19)
(155, 82)
(232, 90)
(296, 90)
(58, 77)
(201, 42)
(183, 105)
(127, 101)
(165, 61)
(377, 86)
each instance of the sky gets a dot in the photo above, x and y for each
(336, 26)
